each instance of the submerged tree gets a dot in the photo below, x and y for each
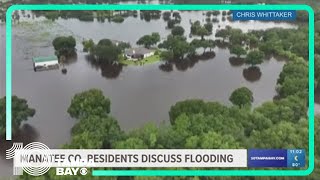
(177, 47)
(197, 43)
(254, 57)
(20, 112)
(223, 33)
(88, 45)
(238, 50)
(177, 31)
(107, 53)
(149, 40)
(166, 15)
(241, 97)
(199, 30)
(64, 45)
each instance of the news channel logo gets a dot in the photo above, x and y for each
(35, 146)
(40, 148)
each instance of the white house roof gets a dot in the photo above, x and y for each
(139, 50)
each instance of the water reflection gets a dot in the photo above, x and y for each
(166, 67)
(236, 61)
(67, 61)
(150, 15)
(252, 73)
(221, 44)
(71, 59)
(25, 135)
(109, 71)
(187, 63)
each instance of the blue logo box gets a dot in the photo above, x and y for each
(296, 158)
(264, 15)
(276, 158)
(267, 158)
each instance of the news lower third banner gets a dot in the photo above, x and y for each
(264, 15)
(160, 158)
(131, 158)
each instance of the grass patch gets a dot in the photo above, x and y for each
(148, 60)
(43, 31)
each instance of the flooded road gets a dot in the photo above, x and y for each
(138, 94)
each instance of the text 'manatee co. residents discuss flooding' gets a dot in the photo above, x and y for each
(162, 158)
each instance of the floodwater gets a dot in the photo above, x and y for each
(138, 94)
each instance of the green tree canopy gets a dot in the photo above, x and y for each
(88, 103)
(178, 46)
(176, 16)
(64, 46)
(105, 129)
(238, 50)
(171, 23)
(148, 40)
(131, 143)
(199, 30)
(209, 27)
(123, 45)
(223, 33)
(106, 53)
(197, 43)
(105, 42)
(166, 15)
(88, 45)
(177, 31)
(20, 112)
(291, 109)
(282, 135)
(254, 57)
(237, 37)
(241, 97)
(293, 80)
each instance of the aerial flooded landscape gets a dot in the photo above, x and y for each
(139, 93)
(140, 79)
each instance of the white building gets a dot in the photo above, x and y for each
(138, 53)
(40, 63)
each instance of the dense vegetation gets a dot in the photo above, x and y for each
(194, 124)
(105, 51)
(172, 19)
(64, 46)
(149, 40)
(177, 48)
(20, 112)
(199, 30)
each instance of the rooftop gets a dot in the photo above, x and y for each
(45, 59)
(139, 50)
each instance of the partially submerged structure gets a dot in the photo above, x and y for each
(44, 63)
(138, 53)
